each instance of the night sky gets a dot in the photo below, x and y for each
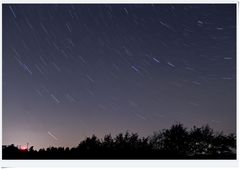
(70, 71)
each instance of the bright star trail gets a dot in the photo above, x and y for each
(78, 70)
(54, 137)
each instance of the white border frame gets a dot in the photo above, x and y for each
(125, 163)
(120, 163)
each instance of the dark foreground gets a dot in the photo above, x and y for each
(174, 143)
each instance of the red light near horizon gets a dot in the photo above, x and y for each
(23, 148)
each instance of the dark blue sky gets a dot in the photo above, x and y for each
(70, 71)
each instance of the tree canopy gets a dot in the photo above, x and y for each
(175, 143)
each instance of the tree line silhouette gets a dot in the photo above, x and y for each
(174, 143)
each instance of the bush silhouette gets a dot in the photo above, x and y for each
(174, 143)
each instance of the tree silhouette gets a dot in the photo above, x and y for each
(174, 143)
(175, 140)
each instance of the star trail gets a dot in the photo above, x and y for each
(73, 70)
